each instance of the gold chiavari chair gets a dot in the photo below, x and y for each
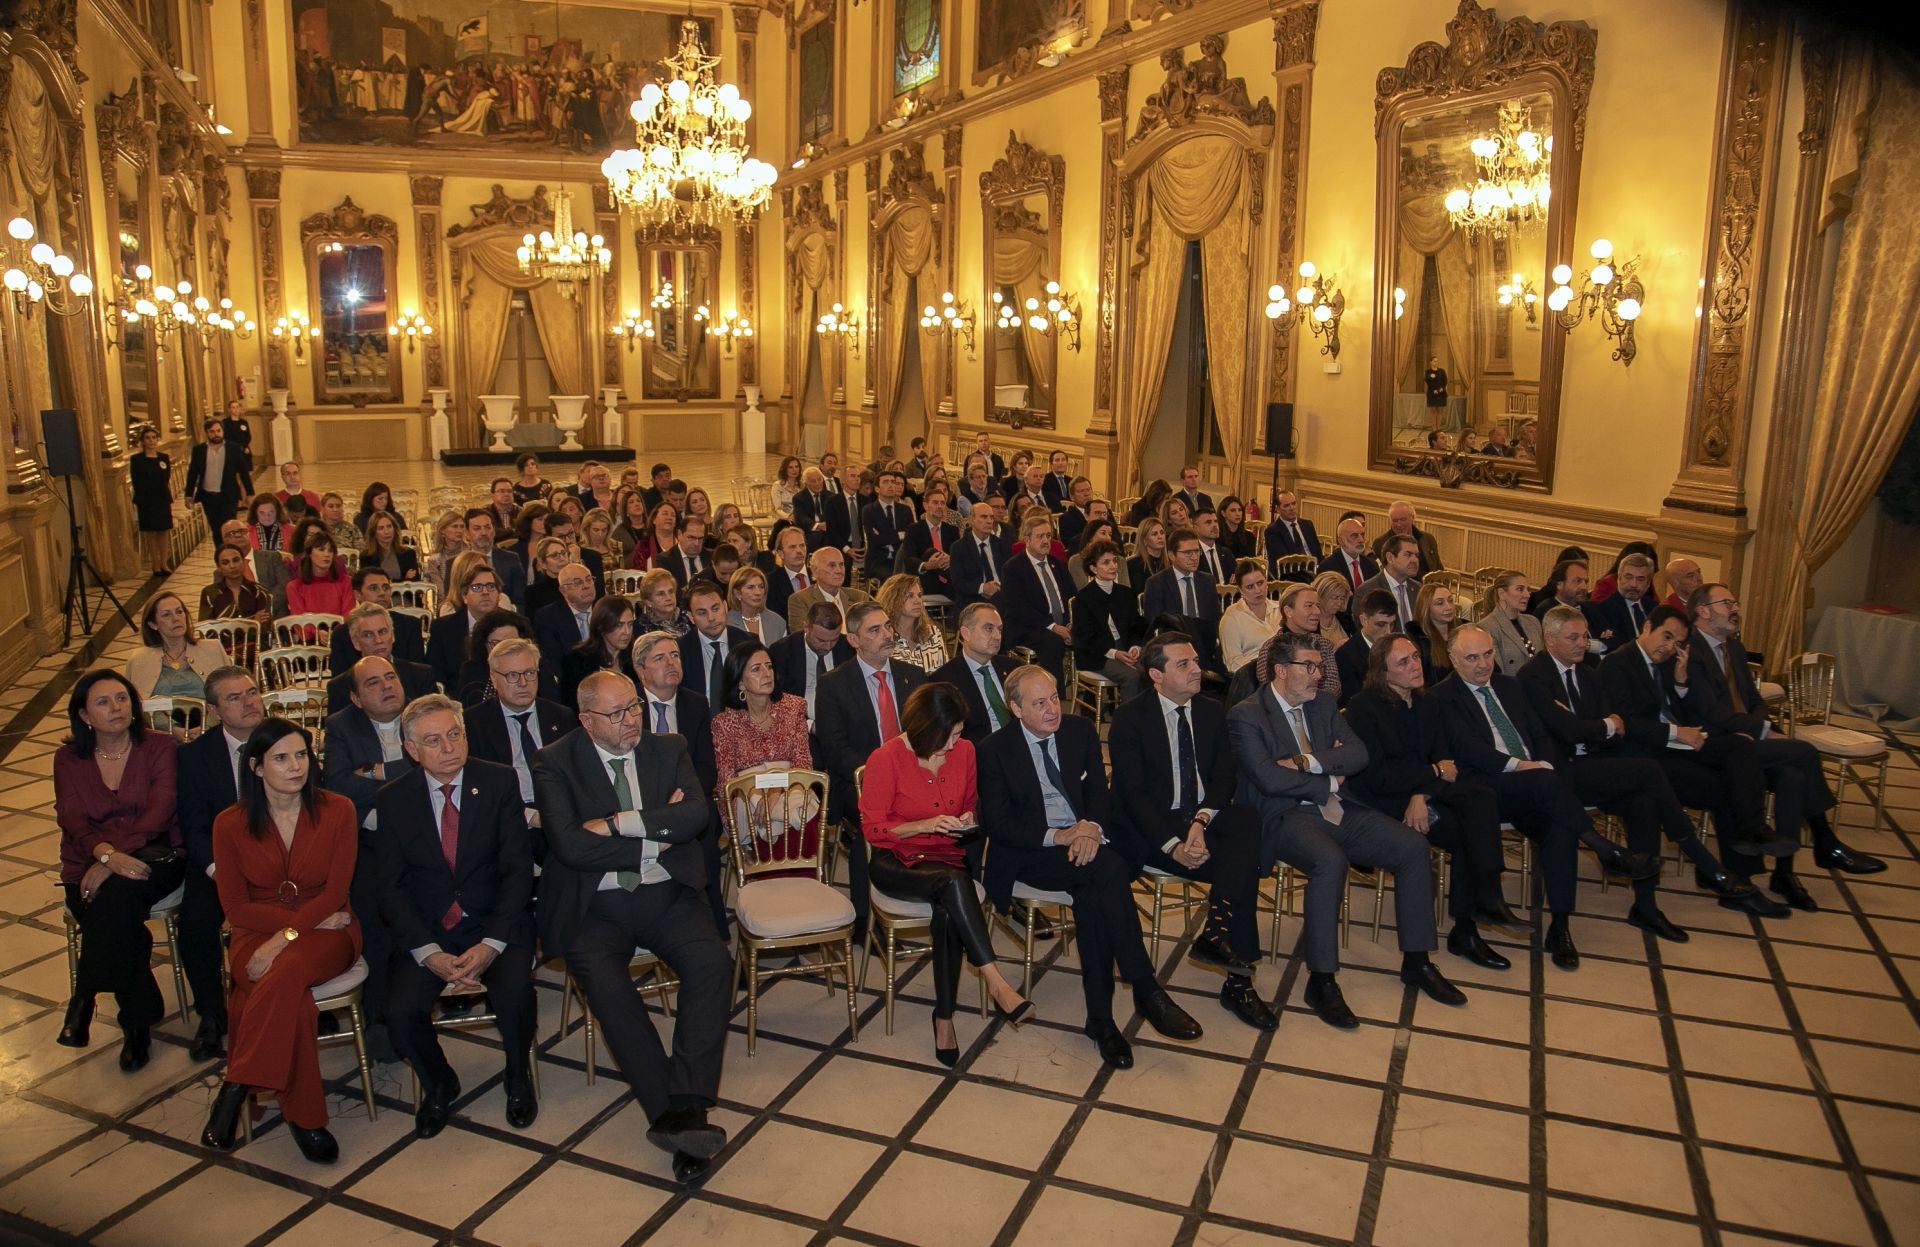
(239, 637)
(309, 629)
(1855, 757)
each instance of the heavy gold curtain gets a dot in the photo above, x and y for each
(1020, 261)
(1196, 189)
(1426, 231)
(1869, 380)
(486, 299)
(909, 254)
(36, 155)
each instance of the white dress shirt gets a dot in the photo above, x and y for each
(630, 824)
(1170, 716)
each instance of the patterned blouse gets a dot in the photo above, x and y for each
(929, 653)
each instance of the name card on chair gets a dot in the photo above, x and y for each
(770, 779)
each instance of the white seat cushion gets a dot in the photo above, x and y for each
(1769, 691)
(774, 909)
(1841, 742)
(906, 910)
(341, 984)
(168, 903)
(1040, 896)
(1095, 679)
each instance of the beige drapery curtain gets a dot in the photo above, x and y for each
(1020, 261)
(815, 260)
(1192, 189)
(1426, 231)
(1869, 382)
(36, 153)
(910, 252)
(557, 319)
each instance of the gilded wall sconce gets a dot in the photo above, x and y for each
(630, 329)
(953, 316)
(1318, 302)
(843, 323)
(1610, 294)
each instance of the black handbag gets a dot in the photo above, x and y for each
(157, 853)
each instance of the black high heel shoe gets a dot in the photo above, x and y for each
(225, 1117)
(318, 1145)
(78, 1027)
(948, 1057)
(1018, 1015)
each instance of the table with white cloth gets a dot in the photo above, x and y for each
(1876, 664)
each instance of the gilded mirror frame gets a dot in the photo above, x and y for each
(126, 136)
(351, 226)
(1484, 61)
(647, 245)
(1025, 171)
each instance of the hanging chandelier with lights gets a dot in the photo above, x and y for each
(689, 165)
(1514, 184)
(563, 253)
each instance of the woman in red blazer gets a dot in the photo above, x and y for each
(916, 794)
(283, 857)
(320, 583)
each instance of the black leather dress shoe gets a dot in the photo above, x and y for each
(436, 1105)
(1767, 844)
(135, 1047)
(685, 1129)
(1500, 914)
(209, 1041)
(1559, 946)
(1115, 1051)
(1165, 1016)
(1209, 951)
(318, 1146)
(1331, 1005)
(1786, 886)
(224, 1117)
(77, 1030)
(1743, 897)
(1635, 866)
(1470, 945)
(1837, 856)
(1239, 999)
(1428, 979)
(1659, 924)
(690, 1170)
(522, 1105)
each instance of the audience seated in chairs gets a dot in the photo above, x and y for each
(267, 569)
(372, 587)
(759, 727)
(708, 641)
(1107, 627)
(1186, 592)
(917, 639)
(1349, 556)
(174, 662)
(1377, 618)
(476, 594)
(382, 549)
(370, 630)
(474, 685)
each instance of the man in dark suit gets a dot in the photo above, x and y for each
(1045, 805)
(813, 508)
(371, 586)
(1376, 617)
(788, 573)
(623, 814)
(1398, 578)
(980, 559)
(983, 445)
(1033, 597)
(1174, 783)
(857, 706)
(1728, 701)
(1349, 556)
(209, 783)
(239, 433)
(1617, 619)
(1186, 591)
(214, 475)
(1058, 485)
(980, 672)
(928, 549)
(516, 722)
(672, 707)
(1591, 747)
(1293, 753)
(1289, 534)
(802, 659)
(506, 564)
(1033, 486)
(1197, 499)
(884, 524)
(1498, 739)
(662, 476)
(1078, 511)
(447, 638)
(454, 875)
(687, 557)
(370, 631)
(704, 649)
(559, 626)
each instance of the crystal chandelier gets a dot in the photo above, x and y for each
(563, 253)
(1513, 186)
(689, 164)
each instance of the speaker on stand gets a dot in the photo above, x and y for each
(62, 457)
(1279, 443)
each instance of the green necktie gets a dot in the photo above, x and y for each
(995, 704)
(628, 879)
(1509, 735)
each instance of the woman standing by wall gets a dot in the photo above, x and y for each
(152, 477)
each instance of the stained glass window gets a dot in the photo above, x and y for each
(916, 43)
(816, 80)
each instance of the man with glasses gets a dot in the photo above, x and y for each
(516, 723)
(623, 812)
(1294, 752)
(474, 596)
(370, 630)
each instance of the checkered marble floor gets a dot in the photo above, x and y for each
(1758, 1084)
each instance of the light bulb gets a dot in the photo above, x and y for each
(1561, 296)
(1053, 287)
(186, 287)
(1323, 313)
(142, 273)
(20, 228)
(677, 91)
(1304, 295)
(41, 253)
(1275, 294)
(1562, 274)
(1307, 269)
(15, 280)
(1399, 295)
(1601, 249)
(1629, 309)
(80, 284)
(729, 93)
(946, 296)
(1456, 200)
(62, 265)
(1602, 274)
(1274, 309)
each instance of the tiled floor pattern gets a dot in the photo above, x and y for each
(1758, 1084)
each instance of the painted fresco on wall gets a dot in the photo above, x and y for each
(475, 73)
(916, 44)
(1006, 26)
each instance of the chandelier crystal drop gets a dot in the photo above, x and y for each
(1514, 182)
(689, 165)
(563, 253)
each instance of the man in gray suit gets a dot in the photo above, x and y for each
(1292, 749)
(623, 814)
(1398, 577)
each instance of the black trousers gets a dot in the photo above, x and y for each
(854, 845)
(1726, 778)
(200, 951)
(1231, 871)
(1800, 792)
(376, 945)
(219, 509)
(1636, 791)
(1546, 810)
(1465, 822)
(1049, 649)
(412, 990)
(675, 924)
(1104, 917)
(958, 923)
(116, 945)
(716, 893)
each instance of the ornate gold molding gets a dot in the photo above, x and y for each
(348, 220)
(1113, 132)
(263, 183)
(1202, 89)
(1481, 52)
(907, 178)
(504, 209)
(425, 190)
(1023, 170)
(1294, 29)
(1817, 63)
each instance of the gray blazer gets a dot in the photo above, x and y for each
(1259, 733)
(1508, 650)
(772, 627)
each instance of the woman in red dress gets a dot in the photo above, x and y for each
(282, 859)
(917, 793)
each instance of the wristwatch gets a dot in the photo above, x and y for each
(1302, 761)
(105, 855)
(289, 934)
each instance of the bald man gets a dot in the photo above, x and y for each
(1683, 577)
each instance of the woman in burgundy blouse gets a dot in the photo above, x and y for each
(113, 792)
(916, 796)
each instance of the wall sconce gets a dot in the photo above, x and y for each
(1320, 305)
(410, 326)
(1611, 294)
(211, 321)
(296, 328)
(952, 316)
(663, 298)
(1520, 288)
(41, 274)
(1060, 314)
(1399, 303)
(631, 329)
(842, 323)
(729, 327)
(162, 307)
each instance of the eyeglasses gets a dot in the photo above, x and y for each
(520, 677)
(1311, 665)
(1727, 602)
(632, 710)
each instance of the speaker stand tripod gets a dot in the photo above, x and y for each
(79, 599)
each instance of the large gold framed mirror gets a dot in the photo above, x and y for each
(352, 286)
(682, 359)
(1020, 201)
(1479, 171)
(126, 167)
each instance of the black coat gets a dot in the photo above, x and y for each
(352, 744)
(1143, 780)
(1011, 807)
(233, 468)
(205, 788)
(1633, 693)
(1468, 734)
(845, 728)
(447, 647)
(408, 645)
(486, 727)
(1403, 742)
(790, 658)
(970, 571)
(1336, 561)
(1280, 542)
(1569, 721)
(780, 589)
(1708, 691)
(491, 877)
(1611, 619)
(916, 548)
(958, 671)
(1094, 609)
(883, 541)
(693, 667)
(695, 720)
(1023, 600)
(152, 492)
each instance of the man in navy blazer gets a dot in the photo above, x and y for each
(1184, 590)
(704, 649)
(370, 631)
(559, 626)
(928, 549)
(447, 638)
(454, 877)
(807, 655)
(980, 558)
(516, 723)
(1290, 534)
(1034, 593)
(1617, 619)
(372, 587)
(687, 558)
(813, 507)
(1058, 486)
(980, 660)
(506, 564)
(1197, 499)
(671, 707)
(884, 523)
(1349, 555)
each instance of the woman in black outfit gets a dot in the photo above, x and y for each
(1106, 619)
(609, 633)
(1149, 503)
(1235, 536)
(152, 476)
(377, 498)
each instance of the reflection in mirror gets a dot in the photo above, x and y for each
(1020, 205)
(682, 359)
(353, 298)
(129, 235)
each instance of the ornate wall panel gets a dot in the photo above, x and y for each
(263, 193)
(426, 228)
(1113, 141)
(1293, 35)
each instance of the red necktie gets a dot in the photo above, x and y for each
(801, 577)
(449, 848)
(935, 530)
(1353, 569)
(889, 720)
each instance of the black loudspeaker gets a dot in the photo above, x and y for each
(60, 432)
(1280, 429)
